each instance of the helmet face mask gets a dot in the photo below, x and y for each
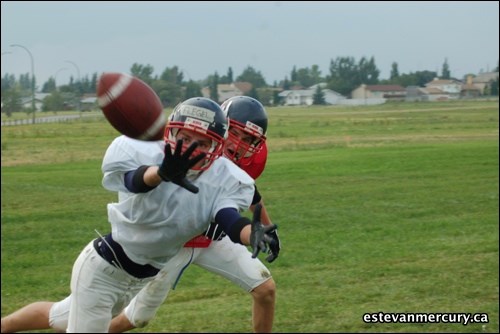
(248, 126)
(201, 116)
(243, 142)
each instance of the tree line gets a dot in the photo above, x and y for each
(344, 75)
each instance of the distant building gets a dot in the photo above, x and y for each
(88, 102)
(451, 87)
(469, 90)
(416, 93)
(306, 96)
(387, 92)
(226, 91)
(26, 102)
(483, 81)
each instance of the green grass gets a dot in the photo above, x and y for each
(390, 208)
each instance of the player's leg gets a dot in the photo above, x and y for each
(234, 262)
(58, 315)
(99, 291)
(120, 324)
(146, 303)
(264, 299)
(90, 305)
(30, 317)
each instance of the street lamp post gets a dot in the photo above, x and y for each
(33, 107)
(57, 72)
(79, 84)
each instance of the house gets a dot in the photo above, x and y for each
(469, 90)
(88, 102)
(449, 87)
(26, 102)
(483, 81)
(226, 91)
(306, 96)
(442, 90)
(434, 94)
(387, 92)
(416, 93)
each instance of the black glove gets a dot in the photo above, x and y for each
(274, 247)
(175, 167)
(259, 235)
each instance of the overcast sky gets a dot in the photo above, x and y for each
(204, 37)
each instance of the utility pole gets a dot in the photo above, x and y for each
(33, 107)
(79, 84)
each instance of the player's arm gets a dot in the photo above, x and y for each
(245, 231)
(143, 179)
(173, 169)
(257, 199)
(274, 247)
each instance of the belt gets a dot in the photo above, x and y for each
(121, 259)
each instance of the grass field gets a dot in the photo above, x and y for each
(390, 208)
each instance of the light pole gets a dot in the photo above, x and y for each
(32, 79)
(78, 86)
(57, 72)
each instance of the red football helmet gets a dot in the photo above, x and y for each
(247, 128)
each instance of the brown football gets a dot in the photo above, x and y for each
(131, 106)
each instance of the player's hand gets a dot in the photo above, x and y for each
(259, 235)
(175, 166)
(274, 247)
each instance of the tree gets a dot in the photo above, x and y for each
(228, 78)
(276, 97)
(424, 77)
(145, 73)
(8, 82)
(93, 83)
(286, 84)
(25, 81)
(252, 76)
(346, 75)
(192, 90)
(368, 72)
(266, 96)
(53, 102)
(394, 71)
(319, 96)
(445, 72)
(419, 78)
(494, 87)
(293, 74)
(213, 86)
(253, 93)
(306, 77)
(11, 100)
(343, 76)
(172, 75)
(49, 86)
(316, 74)
(169, 93)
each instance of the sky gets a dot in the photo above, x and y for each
(71, 38)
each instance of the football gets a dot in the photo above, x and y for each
(131, 106)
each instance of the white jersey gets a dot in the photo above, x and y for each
(153, 226)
